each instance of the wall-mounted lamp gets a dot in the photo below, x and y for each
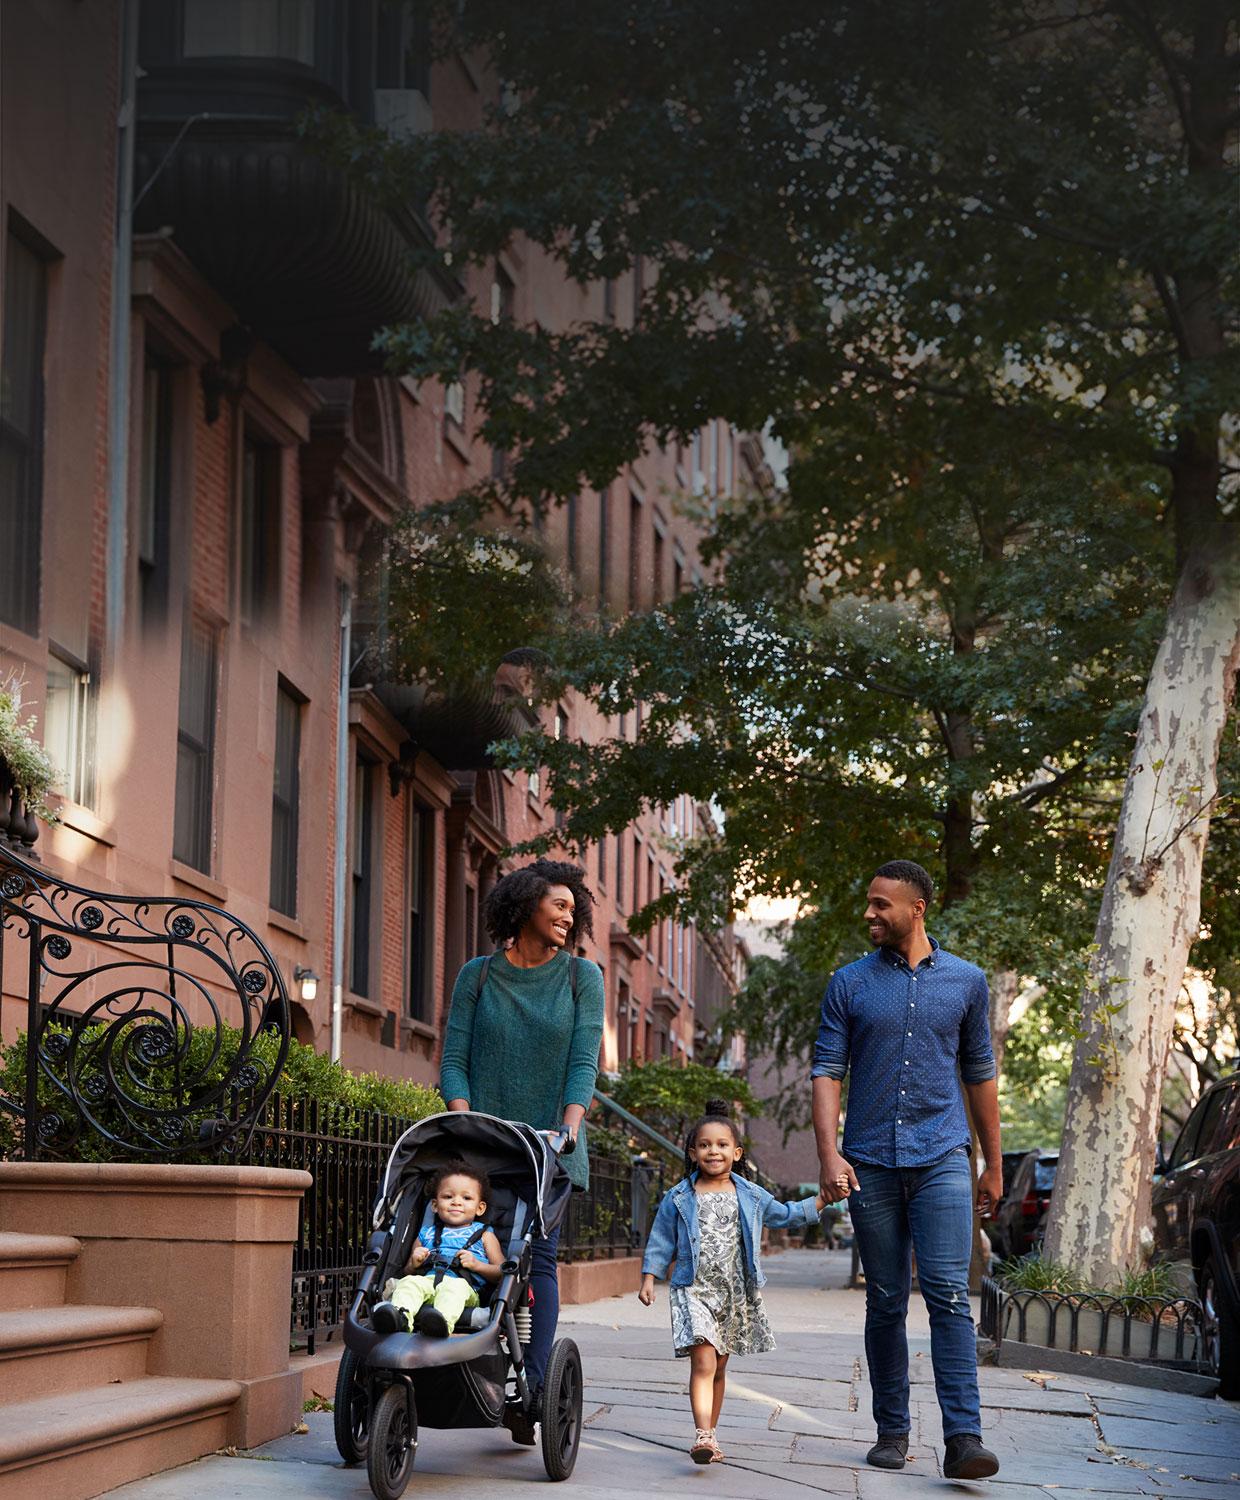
(309, 982)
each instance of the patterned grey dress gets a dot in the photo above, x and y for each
(719, 1308)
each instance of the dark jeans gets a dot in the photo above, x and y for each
(545, 1313)
(928, 1210)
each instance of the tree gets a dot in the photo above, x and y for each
(1020, 213)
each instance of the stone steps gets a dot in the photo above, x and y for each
(79, 1414)
(79, 1443)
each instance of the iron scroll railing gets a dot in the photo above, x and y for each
(157, 1024)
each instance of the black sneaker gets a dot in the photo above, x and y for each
(890, 1452)
(388, 1318)
(431, 1322)
(967, 1459)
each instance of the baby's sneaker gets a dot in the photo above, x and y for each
(388, 1318)
(431, 1322)
(705, 1449)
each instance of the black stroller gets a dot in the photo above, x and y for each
(390, 1383)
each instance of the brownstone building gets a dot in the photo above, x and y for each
(200, 459)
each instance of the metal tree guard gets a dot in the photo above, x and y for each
(160, 1025)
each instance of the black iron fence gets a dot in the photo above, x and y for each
(345, 1150)
(612, 1217)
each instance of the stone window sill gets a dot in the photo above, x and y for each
(215, 890)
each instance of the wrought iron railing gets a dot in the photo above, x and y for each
(155, 1025)
(1151, 1330)
(613, 1216)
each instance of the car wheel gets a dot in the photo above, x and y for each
(1219, 1329)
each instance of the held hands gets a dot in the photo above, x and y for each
(646, 1293)
(837, 1180)
(841, 1182)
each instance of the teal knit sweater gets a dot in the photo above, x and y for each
(521, 1050)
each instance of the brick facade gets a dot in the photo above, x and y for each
(336, 458)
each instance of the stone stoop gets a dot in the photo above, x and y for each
(78, 1412)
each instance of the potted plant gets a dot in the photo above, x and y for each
(27, 772)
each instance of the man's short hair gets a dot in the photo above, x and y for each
(910, 873)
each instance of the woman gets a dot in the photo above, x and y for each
(522, 1048)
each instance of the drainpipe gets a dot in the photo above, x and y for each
(340, 865)
(121, 314)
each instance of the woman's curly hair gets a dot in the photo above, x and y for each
(514, 900)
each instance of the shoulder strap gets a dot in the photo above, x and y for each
(572, 975)
(482, 977)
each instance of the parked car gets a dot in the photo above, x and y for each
(1015, 1228)
(1196, 1209)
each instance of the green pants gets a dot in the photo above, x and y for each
(451, 1297)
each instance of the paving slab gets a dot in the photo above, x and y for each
(796, 1423)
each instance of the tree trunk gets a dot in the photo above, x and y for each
(1149, 919)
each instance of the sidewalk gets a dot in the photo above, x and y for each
(796, 1423)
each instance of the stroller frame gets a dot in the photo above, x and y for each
(387, 1381)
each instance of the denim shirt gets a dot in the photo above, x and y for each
(675, 1235)
(908, 1036)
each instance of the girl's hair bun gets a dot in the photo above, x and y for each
(718, 1107)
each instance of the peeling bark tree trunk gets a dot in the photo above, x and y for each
(1149, 918)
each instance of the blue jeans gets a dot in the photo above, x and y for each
(928, 1210)
(545, 1313)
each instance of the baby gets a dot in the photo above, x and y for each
(433, 1302)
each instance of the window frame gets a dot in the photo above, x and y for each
(24, 610)
(199, 851)
(289, 807)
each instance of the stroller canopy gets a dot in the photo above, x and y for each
(514, 1156)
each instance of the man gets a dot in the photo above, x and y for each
(904, 1018)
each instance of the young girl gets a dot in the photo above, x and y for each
(711, 1224)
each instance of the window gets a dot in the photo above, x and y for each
(636, 550)
(604, 546)
(609, 300)
(403, 48)
(602, 862)
(729, 442)
(69, 726)
(535, 786)
(249, 28)
(637, 873)
(571, 539)
(362, 875)
(503, 297)
(454, 403)
(285, 801)
(639, 287)
(21, 435)
(191, 839)
(660, 557)
(561, 733)
(712, 473)
(155, 490)
(626, 1022)
(620, 869)
(678, 571)
(420, 863)
(260, 529)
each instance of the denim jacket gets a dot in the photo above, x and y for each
(675, 1234)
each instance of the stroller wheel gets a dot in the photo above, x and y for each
(393, 1442)
(352, 1408)
(561, 1410)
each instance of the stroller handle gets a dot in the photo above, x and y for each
(562, 1142)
